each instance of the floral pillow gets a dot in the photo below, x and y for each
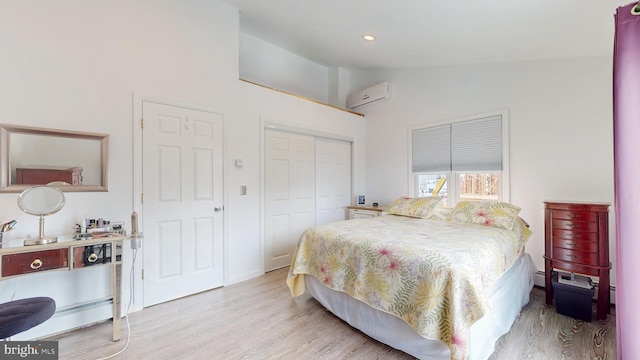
(440, 213)
(414, 207)
(490, 213)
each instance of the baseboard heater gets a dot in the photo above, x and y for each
(75, 308)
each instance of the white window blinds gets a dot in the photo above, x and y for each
(474, 145)
(431, 149)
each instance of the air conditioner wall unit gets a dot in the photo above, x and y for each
(369, 95)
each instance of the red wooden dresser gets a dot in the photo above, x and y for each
(577, 240)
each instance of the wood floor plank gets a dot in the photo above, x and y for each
(258, 319)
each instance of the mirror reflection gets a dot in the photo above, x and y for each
(74, 161)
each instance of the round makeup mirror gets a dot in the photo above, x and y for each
(41, 201)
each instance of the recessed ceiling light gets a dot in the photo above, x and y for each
(368, 37)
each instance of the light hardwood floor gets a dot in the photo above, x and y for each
(255, 319)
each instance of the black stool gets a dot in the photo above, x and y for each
(21, 315)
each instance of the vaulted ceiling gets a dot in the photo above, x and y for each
(418, 33)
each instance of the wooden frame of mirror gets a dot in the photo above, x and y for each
(52, 142)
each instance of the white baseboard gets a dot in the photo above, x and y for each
(243, 277)
(538, 280)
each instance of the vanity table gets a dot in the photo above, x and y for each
(68, 255)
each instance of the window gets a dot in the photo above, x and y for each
(461, 160)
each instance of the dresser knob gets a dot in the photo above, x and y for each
(36, 264)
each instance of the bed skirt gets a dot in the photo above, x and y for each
(508, 295)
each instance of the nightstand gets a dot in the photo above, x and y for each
(361, 211)
(577, 240)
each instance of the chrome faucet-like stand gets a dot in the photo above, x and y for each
(41, 239)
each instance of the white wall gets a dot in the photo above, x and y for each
(268, 65)
(254, 106)
(560, 129)
(76, 65)
(271, 66)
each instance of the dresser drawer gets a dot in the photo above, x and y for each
(570, 244)
(574, 215)
(579, 236)
(575, 225)
(16, 264)
(582, 257)
(363, 214)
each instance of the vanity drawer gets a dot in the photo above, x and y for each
(84, 256)
(16, 264)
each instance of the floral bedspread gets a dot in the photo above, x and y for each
(434, 275)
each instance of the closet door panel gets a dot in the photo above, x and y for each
(289, 193)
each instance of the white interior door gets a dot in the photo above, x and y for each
(289, 193)
(182, 191)
(333, 180)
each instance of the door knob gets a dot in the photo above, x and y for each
(217, 209)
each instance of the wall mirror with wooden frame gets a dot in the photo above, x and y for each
(70, 160)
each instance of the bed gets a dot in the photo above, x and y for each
(435, 283)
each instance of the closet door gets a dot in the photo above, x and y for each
(289, 193)
(333, 180)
